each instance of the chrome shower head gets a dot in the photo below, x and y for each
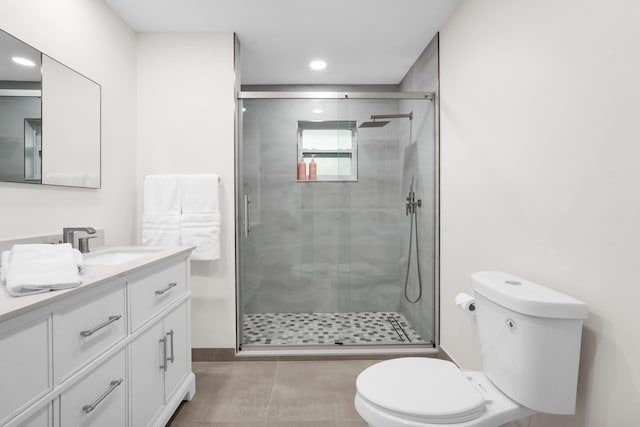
(373, 124)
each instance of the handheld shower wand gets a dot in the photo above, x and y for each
(412, 204)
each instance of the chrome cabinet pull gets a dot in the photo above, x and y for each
(171, 285)
(164, 354)
(88, 408)
(110, 320)
(172, 358)
(247, 215)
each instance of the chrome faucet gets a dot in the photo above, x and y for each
(67, 233)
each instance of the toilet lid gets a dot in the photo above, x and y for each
(431, 390)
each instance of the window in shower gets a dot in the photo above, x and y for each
(333, 146)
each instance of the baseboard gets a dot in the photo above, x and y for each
(229, 355)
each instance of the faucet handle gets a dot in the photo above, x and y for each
(83, 244)
(67, 233)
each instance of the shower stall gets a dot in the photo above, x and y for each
(347, 260)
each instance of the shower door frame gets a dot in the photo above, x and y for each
(240, 202)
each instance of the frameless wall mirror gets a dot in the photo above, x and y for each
(49, 120)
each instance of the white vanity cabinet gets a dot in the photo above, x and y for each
(114, 352)
(162, 365)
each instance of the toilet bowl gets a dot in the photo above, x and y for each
(519, 377)
(424, 392)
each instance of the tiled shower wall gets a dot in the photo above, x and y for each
(420, 161)
(320, 246)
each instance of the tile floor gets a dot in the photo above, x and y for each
(273, 394)
(328, 328)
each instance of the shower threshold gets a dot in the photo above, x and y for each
(329, 329)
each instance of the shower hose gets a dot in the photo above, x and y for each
(413, 213)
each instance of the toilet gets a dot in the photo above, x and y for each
(529, 339)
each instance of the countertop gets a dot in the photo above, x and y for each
(93, 276)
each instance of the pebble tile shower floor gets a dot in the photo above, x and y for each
(362, 328)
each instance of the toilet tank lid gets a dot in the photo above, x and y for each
(526, 297)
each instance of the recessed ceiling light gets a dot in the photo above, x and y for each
(23, 61)
(318, 65)
(317, 110)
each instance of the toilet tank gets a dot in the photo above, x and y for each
(529, 340)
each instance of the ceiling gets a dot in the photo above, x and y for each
(362, 41)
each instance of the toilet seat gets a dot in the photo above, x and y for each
(422, 390)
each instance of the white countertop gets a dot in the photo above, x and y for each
(93, 276)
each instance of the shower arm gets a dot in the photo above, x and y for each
(392, 116)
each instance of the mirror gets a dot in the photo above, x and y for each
(49, 120)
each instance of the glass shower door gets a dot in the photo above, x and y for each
(320, 260)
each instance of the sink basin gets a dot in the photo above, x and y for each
(114, 257)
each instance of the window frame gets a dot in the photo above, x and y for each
(345, 152)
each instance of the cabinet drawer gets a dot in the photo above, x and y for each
(154, 289)
(99, 399)
(28, 349)
(83, 332)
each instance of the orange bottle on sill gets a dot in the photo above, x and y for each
(302, 169)
(313, 170)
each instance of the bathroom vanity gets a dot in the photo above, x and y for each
(115, 351)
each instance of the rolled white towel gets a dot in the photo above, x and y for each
(37, 268)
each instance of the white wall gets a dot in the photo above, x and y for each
(88, 37)
(186, 125)
(540, 153)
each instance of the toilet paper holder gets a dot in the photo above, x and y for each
(465, 302)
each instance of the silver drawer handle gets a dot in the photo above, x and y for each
(171, 285)
(110, 320)
(164, 354)
(94, 405)
(172, 358)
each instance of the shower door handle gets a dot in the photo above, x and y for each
(247, 215)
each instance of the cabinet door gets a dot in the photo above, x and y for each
(147, 375)
(42, 418)
(24, 367)
(176, 328)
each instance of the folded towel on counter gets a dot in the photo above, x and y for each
(4, 265)
(160, 230)
(203, 231)
(35, 268)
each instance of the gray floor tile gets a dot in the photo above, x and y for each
(273, 394)
(230, 392)
(315, 391)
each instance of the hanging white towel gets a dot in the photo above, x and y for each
(35, 268)
(203, 231)
(199, 193)
(200, 219)
(160, 230)
(162, 194)
(161, 218)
